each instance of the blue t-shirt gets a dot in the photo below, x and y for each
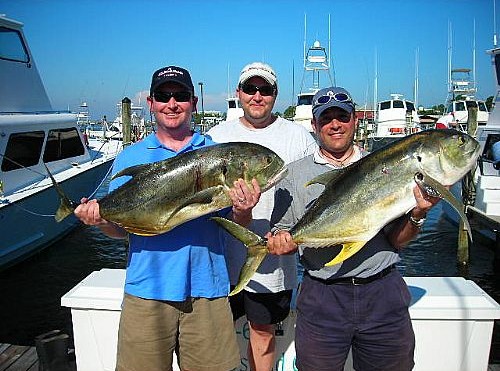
(187, 261)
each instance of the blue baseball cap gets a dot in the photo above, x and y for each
(334, 96)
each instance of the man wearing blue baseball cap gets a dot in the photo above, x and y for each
(362, 303)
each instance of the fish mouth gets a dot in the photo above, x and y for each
(275, 179)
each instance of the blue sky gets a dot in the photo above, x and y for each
(100, 51)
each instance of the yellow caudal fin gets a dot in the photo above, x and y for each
(255, 256)
(256, 250)
(348, 250)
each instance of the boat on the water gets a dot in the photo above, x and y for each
(487, 192)
(394, 118)
(234, 110)
(34, 136)
(315, 62)
(460, 100)
(113, 130)
(316, 65)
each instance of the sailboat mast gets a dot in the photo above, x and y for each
(415, 92)
(375, 84)
(449, 56)
(494, 25)
(474, 57)
(305, 35)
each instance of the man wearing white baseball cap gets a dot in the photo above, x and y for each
(266, 299)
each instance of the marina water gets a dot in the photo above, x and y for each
(30, 292)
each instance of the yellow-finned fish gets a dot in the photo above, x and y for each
(360, 200)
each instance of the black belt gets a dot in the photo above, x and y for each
(355, 280)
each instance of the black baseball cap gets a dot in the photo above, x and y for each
(175, 74)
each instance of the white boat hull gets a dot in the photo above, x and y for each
(27, 225)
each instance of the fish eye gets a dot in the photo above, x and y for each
(419, 158)
(269, 160)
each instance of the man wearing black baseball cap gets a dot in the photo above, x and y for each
(177, 283)
(173, 74)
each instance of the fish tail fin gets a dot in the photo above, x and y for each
(256, 250)
(348, 250)
(255, 256)
(67, 206)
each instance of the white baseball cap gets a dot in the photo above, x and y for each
(258, 69)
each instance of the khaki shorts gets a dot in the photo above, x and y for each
(201, 329)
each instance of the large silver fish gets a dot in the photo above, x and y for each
(165, 194)
(360, 200)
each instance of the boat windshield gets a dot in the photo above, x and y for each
(23, 150)
(398, 104)
(385, 105)
(482, 106)
(305, 100)
(410, 106)
(460, 106)
(471, 104)
(13, 48)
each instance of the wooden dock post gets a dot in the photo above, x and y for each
(126, 121)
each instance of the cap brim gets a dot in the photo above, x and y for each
(349, 108)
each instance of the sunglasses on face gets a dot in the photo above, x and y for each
(339, 97)
(179, 96)
(265, 90)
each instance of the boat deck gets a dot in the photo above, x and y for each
(24, 358)
(18, 358)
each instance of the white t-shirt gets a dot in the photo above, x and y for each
(291, 142)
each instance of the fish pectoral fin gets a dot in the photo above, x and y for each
(327, 177)
(204, 197)
(436, 189)
(255, 256)
(348, 250)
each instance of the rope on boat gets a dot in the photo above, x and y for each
(7, 202)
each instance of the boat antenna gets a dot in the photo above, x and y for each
(415, 93)
(450, 47)
(474, 56)
(494, 25)
(293, 82)
(330, 50)
(305, 36)
(228, 95)
(375, 83)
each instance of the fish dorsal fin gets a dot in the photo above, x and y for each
(348, 250)
(131, 171)
(435, 189)
(329, 176)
